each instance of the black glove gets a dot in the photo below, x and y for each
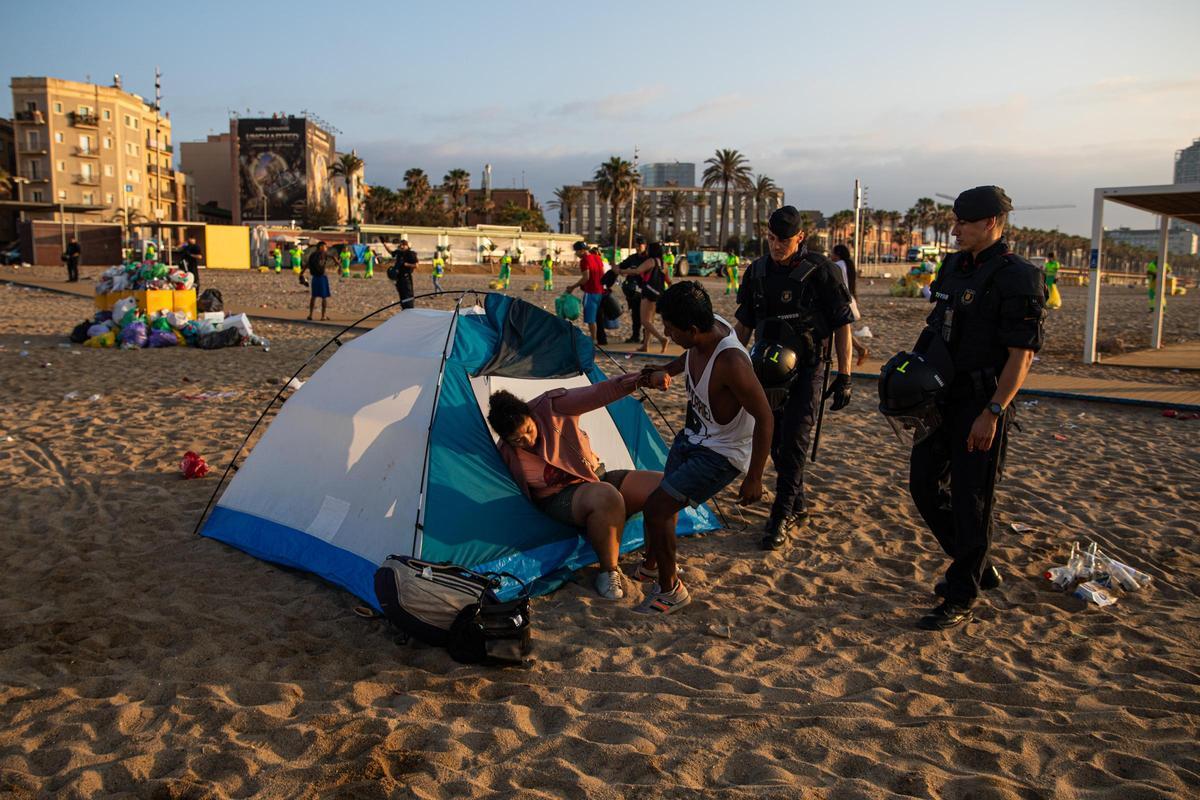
(839, 390)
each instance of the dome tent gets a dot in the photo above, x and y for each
(385, 450)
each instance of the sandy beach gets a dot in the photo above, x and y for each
(139, 660)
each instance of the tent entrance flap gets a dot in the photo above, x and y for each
(534, 343)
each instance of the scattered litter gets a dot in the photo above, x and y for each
(1098, 575)
(9, 439)
(24, 354)
(26, 342)
(94, 398)
(205, 396)
(1021, 527)
(1093, 592)
(294, 384)
(864, 332)
(64, 346)
(1180, 415)
(1029, 402)
(46, 364)
(720, 631)
(193, 466)
(70, 395)
(1059, 437)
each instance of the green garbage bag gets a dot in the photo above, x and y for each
(161, 323)
(159, 271)
(568, 307)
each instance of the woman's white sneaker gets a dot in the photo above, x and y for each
(610, 584)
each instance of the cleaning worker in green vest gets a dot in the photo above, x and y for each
(505, 270)
(439, 270)
(1152, 279)
(669, 265)
(344, 259)
(1054, 300)
(151, 251)
(732, 282)
(276, 259)
(548, 272)
(369, 263)
(297, 256)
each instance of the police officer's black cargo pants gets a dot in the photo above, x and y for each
(633, 298)
(794, 422)
(953, 491)
(404, 287)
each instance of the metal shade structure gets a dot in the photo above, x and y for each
(1179, 201)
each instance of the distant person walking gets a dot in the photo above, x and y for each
(191, 256)
(406, 262)
(439, 270)
(669, 264)
(505, 270)
(369, 263)
(732, 278)
(71, 257)
(345, 256)
(1152, 280)
(320, 281)
(650, 271)
(631, 287)
(548, 273)
(845, 264)
(1053, 296)
(296, 254)
(276, 256)
(591, 270)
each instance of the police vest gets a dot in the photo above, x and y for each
(966, 315)
(792, 319)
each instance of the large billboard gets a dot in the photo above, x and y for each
(272, 168)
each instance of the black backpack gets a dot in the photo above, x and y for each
(450, 606)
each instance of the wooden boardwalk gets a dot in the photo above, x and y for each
(1069, 387)
(1172, 356)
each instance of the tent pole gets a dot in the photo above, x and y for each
(1091, 325)
(1160, 291)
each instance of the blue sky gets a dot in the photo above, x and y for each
(1048, 99)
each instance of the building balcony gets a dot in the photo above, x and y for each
(36, 150)
(83, 120)
(35, 117)
(87, 152)
(87, 180)
(35, 178)
(152, 144)
(153, 172)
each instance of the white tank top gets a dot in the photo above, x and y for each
(734, 439)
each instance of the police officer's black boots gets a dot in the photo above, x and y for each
(990, 579)
(778, 528)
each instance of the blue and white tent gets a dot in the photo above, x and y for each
(386, 450)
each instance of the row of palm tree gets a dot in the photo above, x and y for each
(617, 183)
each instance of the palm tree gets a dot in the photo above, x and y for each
(839, 224)
(417, 189)
(726, 167)
(382, 205)
(457, 182)
(764, 190)
(943, 221)
(566, 200)
(924, 210)
(346, 167)
(880, 217)
(616, 180)
(672, 206)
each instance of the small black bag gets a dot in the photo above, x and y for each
(210, 300)
(79, 334)
(393, 273)
(450, 606)
(225, 337)
(610, 306)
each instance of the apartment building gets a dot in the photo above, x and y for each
(101, 147)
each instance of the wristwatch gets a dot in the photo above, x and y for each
(996, 409)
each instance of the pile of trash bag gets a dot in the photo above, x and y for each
(137, 276)
(129, 328)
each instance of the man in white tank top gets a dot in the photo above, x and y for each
(728, 433)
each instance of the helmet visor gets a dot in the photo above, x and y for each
(912, 429)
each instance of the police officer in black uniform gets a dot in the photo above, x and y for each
(794, 303)
(985, 326)
(631, 286)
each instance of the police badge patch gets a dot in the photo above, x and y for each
(968, 296)
(785, 296)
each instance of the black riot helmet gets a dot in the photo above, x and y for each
(909, 387)
(774, 364)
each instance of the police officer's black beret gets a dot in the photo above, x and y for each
(982, 202)
(784, 222)
(579, 246)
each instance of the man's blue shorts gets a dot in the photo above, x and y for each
(320, 285)
(591, 307)
(694, 473)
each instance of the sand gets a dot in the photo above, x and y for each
(138, 660)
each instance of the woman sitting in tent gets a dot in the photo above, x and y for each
(552, 461)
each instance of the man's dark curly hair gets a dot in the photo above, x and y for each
(506, 412)
(686, 305)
